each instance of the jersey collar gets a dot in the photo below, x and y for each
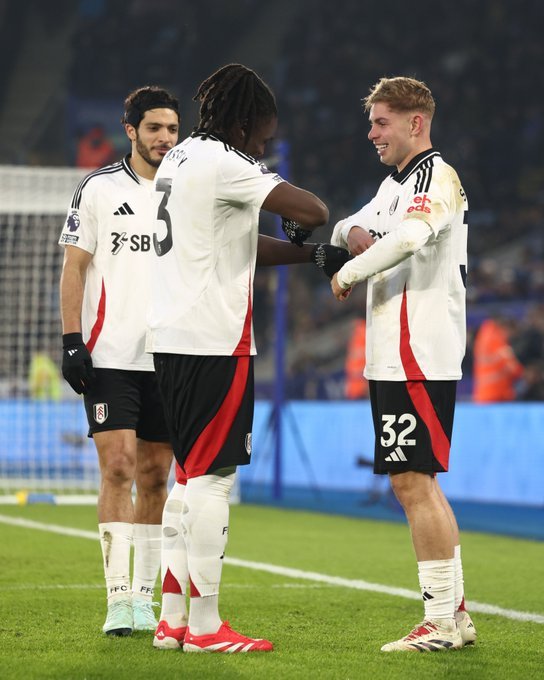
(128, 169)
(416, 161)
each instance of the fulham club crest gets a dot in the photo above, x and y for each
(100, 413)
(248, 443)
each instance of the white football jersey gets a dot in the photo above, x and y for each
(112, 216)
(209, 196)
(416, 327)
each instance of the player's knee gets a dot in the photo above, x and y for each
(119, 469)
(410, 487)
(152, 479)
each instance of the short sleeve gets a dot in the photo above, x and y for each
(243, 180)
(81, 225)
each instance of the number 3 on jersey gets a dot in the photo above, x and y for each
(164, 184)
(389, 435)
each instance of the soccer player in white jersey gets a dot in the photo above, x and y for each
(210, 189)
(410, 243)
(104, 291)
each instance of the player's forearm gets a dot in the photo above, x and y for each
(297, 204)
(387, 252)
(272, 251)
(72, 285)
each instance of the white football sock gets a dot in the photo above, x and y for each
(437, 582)
(174, 568)
(459, 580)
(147, 560)
(115, 541)
(205, 525)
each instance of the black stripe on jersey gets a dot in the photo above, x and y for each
(243, 155)
(128, 169)
(463, 270)
(424, 176)
(228, 147)
(107, 170)
(413, 165)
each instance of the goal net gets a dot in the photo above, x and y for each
(45, 454)
(44, 448)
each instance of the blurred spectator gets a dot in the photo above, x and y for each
(496, 368)
(356, 383)
(94, 149)
(44, 381)
(532, 385)
(528, 342)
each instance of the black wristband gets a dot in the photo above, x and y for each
(71, 339)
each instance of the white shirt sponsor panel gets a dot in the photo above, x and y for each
(210, 196)
(112, 216)
(416, 327)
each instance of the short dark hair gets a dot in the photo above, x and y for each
(144, 98)
(233, 95)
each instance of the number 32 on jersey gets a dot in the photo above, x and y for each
(390, 437)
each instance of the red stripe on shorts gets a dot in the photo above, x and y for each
(181, 477)
(100, 315)
(214, 435)
(409, 362)
(439, 441)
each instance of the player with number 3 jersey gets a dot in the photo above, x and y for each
(210, 190)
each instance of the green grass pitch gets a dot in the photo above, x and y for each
(53, 603)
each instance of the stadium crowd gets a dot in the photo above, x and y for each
(490, 127)
(481, 61)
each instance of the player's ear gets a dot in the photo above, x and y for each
(131, 132)
(416, 124)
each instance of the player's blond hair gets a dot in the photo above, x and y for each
(401, 94)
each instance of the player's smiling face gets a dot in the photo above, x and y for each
(391, 134)
(156, 135)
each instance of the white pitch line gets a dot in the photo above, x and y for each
(228, 586)
(296, 573)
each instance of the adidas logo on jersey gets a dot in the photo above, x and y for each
(71, 352)
(396, 456)
(124, 209)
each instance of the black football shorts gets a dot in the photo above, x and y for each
(413, 423)
(126, 400)
(208, 403)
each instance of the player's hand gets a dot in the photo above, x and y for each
(77, 365)
(359, 240)
(337, 290)
(294, 232)
(329, 258)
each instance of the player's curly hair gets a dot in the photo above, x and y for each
(401, 94)
(233, 95)
(145, 98)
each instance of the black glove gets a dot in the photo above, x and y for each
(329, 258)
(294, 232)
(77, 365)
